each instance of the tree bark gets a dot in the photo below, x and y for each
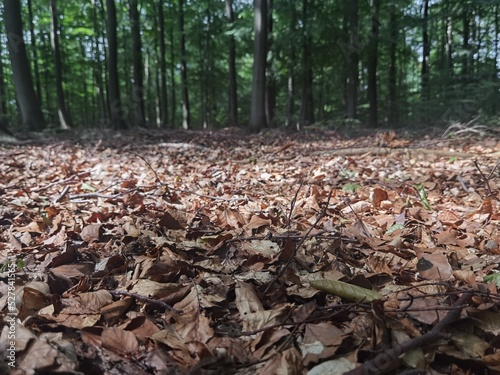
(186, 120)
(393, 100)
(163, 105)
(115, 105)
(307, 105)
(97, 67)
(233, 95)
(258, 106)
(63, 113)
(290, 103)
(38, 84)
(29, 104)
(138, 87)
(4, 116)
(352, 62)
(426, 51)
(270, 79)
(372, 66)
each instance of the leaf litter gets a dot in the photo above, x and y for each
(218, 252)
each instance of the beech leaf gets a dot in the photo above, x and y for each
(344, 290)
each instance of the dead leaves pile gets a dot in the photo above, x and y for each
(220, 253)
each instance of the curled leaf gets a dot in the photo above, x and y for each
(344, 290)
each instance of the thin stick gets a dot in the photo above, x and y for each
(294, 253)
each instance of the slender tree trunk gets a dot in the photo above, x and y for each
(233, 95)
(449, 39)
(353, 62)
(186, 120)
(307, 105)
(172, 76)
(426, 51)
(465, 43)
(26, 97)
(4, 116)
(64, 118)
(138, 87)
(115, 105)
(163, 106)
(97, 65)
(290, 104)
(372, 66)
(258, 106)
(393, 99)
(270, 79)
(38, 84)
(494, 67)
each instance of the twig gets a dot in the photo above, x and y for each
(65, 181)
(61, 195)
(142, 298)
(385, 359)
(486, 179)
(292, 204)
(301, 242)
(182, 190)
(99, 195)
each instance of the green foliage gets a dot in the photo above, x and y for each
(461, 89)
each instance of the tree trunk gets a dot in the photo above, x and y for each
(4, 116)
(97, 66)
(115, 105)
(258, 106)
(393, 100)
(26, 97)
(270, 79)
(465, 43)
(138, 87)
(163, 105)
(372, 66)
(352, 62)
(426, 48)
(290, 103)
(172, 76)
(184, 77)
(63, 114)
(233, 95)
(306, 106)
(38, 84)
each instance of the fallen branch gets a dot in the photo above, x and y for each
(386, 358)
(381, 151)
(142, 298)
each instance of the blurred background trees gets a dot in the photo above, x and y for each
(217, 63)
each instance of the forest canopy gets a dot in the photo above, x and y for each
(211, 64)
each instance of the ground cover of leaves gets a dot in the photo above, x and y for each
(223, 253)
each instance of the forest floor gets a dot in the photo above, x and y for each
(279, 253)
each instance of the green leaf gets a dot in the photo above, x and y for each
(492, 278)
(351, 187)
(423, 196)
(88, 187)
(344, 290)
(394, 228)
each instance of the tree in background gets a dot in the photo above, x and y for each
(63, 113)
(352, 58)
(115, 105)
(258, 106)
(26, 98)
(372, 66)
(306, 103)
(138, 86)
(186, 116)
(163, 106)
(233, 92)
